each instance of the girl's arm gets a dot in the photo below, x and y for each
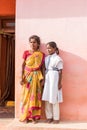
(60, 79)
(43, 73)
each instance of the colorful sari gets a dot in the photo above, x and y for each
(32, 90)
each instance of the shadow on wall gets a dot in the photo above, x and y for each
(51, 9)
(74, 83)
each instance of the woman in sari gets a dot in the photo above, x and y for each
(32, 81)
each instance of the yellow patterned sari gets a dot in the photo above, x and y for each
(32, 90)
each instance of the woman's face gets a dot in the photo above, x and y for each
(50, 49)
(33, 44)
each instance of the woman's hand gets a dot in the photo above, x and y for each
(21, 82)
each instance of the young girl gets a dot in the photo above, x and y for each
(52, 93)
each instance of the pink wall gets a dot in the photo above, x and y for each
(65, 22)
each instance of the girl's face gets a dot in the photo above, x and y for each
(50, 49)
(33, 44)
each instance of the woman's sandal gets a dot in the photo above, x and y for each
(34, 121)
(25, 121)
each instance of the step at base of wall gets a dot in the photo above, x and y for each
(14, 124)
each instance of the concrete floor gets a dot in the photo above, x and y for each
(14, 124)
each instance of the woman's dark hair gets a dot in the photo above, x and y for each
(52, 44)
(37, 39)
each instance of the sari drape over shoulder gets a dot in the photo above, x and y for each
(31, 89)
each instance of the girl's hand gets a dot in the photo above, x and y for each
(59, 86)
(42, 82)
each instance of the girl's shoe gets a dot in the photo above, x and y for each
(49, 120)
(55, 121)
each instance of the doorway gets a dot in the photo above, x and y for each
(7, 62)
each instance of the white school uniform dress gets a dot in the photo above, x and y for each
(51, 93)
